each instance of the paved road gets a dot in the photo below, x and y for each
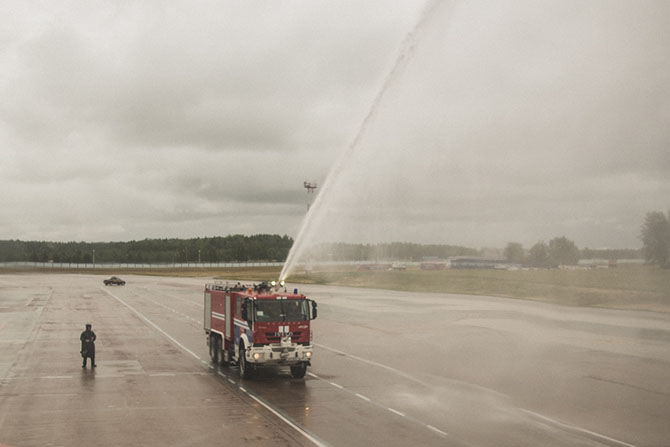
(390, 368)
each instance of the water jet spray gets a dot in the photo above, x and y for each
(401, 61)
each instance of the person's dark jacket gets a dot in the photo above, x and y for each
(87, 343)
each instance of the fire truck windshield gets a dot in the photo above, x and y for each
(281, 310)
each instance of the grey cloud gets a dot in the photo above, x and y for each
(242, 189)
(197, 79)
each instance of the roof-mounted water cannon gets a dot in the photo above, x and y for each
(277, 285)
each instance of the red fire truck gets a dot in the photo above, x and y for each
(258, 326)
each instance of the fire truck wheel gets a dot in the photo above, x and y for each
(214, 348)
(245, 368)
(298, 371)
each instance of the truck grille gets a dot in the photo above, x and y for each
(272, 336)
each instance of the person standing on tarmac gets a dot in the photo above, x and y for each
(88, 346)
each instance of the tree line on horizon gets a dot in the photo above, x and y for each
(561, 251)
(233, 248)
(275, 248)
(654, 233)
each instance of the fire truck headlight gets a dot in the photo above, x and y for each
(257, 355)
(273, 283)
(281, 283)
(308, 354)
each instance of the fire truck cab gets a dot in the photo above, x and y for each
(258, 326)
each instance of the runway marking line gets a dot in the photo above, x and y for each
(367, 399)
(56, 377)
(174, 297)
(151, 323)
(404, 374)
(298, 428)
(436, 430)
(173, 310)
(399, 413)
(574, 428)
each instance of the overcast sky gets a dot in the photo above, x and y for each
(516, 121)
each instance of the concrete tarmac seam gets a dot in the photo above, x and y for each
(188, 317)
(199, 304)
(267, 406)
(10, 374)
(151, 323)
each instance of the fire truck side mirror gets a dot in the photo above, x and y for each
(313, 310)
(245, 310)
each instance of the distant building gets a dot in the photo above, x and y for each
(608, 263)
(433, 263)
(475, 262)
(374, 267)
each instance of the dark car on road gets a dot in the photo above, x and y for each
(114, 281)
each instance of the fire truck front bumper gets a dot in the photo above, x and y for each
(279, 354)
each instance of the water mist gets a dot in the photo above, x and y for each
(321, 202)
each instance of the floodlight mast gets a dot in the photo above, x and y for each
(310, 187)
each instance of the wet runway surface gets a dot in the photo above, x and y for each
(390, 369)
